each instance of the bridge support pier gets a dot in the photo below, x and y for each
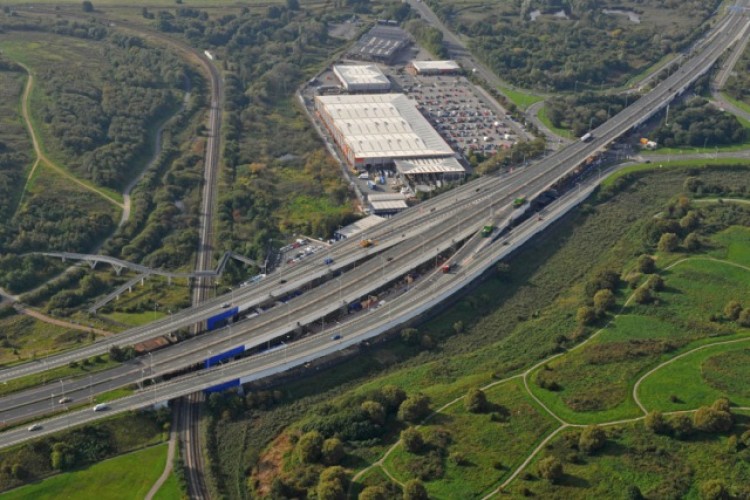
(169, 280)
(118, 269)
(93, 263)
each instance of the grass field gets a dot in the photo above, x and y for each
(597, 380)
(490, 450)
(658, 466)
(126, 477)
(562, 132)
(699, 379)
(170, 490)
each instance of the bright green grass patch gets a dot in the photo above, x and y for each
(735, 245)
(596, 381)
(562, 132)
(127, 477)
(490, 449)
(520, 98)
(170, 490)
(659, 466)
(676, 165)
(740, 104)
(684, 380)
(728, 372)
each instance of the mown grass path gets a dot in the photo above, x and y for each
(564, 424)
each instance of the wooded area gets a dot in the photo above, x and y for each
(574, 43)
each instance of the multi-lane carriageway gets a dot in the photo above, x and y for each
(408, 239)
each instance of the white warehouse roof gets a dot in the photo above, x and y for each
(447, 65)
(430, 166)
(360, 226)
(366, 76)
(383, 126)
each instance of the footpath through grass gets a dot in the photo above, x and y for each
(123, 478)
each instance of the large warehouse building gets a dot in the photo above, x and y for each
(375, 129)
(381, 43)
(433, 68)
(362, 78)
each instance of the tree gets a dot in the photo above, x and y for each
(585, 315)
(682, 426)
(744, 318)
(550, 468)
(592, 439)
(643, 295)
(708, 419)
(414, 408)
(732, 310)
(310, 447)
(410, 336)
(292, 4)
(415, 490)
(475, 400)
(668, 242)
(692, 242)
(646, 264)
(714, 489)
(332, 451)
(656, 422)
(330, 490)
(374, 411)
(412, 439)
(87, 6)
(391, 397)
(603, 300)
(655, 283)
(373, 493)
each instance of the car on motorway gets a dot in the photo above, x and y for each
(34, 427)
(101, 407)
(225, 305)
(65, 399)
(328, 261)
(336, 337)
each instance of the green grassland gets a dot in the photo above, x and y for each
(489, 450)
(14, 141)
(597, 380)
(126, 477)
(24, 338)
(170, 490)
(521, 98)
(733, 244)
(562, 132)
(659, 466)
(699, 379)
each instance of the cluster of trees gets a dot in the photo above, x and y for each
(323, 437)
(589, 47)
(713, 419)
(698, 123)
(738, 84)
(591, 439)
(427, 36)
(680, 225)
(102, 127)
(520, 152)
(15, 146)
(733, 311)
(580, 113)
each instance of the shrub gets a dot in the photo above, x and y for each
(373, 493)
(692, 242)
(646, 264)
(412, 439)
(585, 315)
(708, 419)
(310, 447)
(603, 300)
(643, 295)
(668, 242)
(332, 451)
(682, 426)
(374, 411)
(732, 310)
(551, 469)
(744, 318)
(714, 489)
(656, 422)
(655, 283)
(592, 438)
(391, 397)
(415, 490)
(475, 401)
(414, 408)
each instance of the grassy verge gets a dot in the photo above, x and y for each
(126, 477)
(697, 164)
(63, 372)
(562, 132)
(740, 104)
(170, 490)
(521, 98)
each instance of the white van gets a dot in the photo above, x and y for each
(101, 407)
